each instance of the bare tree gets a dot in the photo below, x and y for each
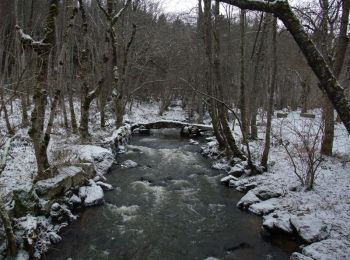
(331, 86)
(43, 49)
(270, 107)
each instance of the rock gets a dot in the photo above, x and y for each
(60, 213)
(226, 180)
(220, 165)
(26, 202)
(248, 200)
(193, 142)
(22, 255)
(75, 200)
(129, 164)
(307, 115)
(277, 223)
(250, 186)
(105, 186)
(101, 158)
(100, 178)
(264, 207)
(282, 115)
(66, 179)
(265, 192)
(310, 229)
(329, 249)
(237, 170)
(298, 256)
(91, 195)
(54, 238)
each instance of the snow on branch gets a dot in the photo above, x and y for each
(116, 17)
(27, 40)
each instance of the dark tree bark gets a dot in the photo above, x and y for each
(242, 99)
(270, 109)
(330, 86)
(207, 30)
(43, 49)
(222, 111)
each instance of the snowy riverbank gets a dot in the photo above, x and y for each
(321, 217)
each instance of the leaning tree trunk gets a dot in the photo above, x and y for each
(265, 155)
(226, 131)
(207, 29)
(331, 86)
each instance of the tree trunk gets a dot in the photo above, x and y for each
(11, 239)
(242, 99)
(43, 49)
(270, 109)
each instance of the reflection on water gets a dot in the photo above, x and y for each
(169, 207)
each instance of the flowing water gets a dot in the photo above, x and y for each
(171, 206)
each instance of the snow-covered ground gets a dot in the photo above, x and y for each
(324, 212)
(320, 214)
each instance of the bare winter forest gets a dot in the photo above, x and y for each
(131, 132)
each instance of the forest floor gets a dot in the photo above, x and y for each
(321, 214)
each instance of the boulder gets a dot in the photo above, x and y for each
(264, 207)
(101, 158)
(54, 238)
(237, 170)
(278, 223)
(282, 115)
(105, 186)
(66, 179)
(266, 192)
(307, 115)
(248, 200)
(309, 228)
(129, 164)
(226, 180)
(91, 195)
(329, 249)
(298, 256)
(26, 202)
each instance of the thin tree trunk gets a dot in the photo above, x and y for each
(242, 99)
(270, 109)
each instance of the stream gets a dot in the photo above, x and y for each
(171, 206)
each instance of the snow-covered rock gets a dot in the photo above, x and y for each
(248, 200)
(329, 249)
(298, 256)
(105, 186)
(66, 179)
(278, 223)
(309, 228)
(268, 192)
(101, 158)
(75, 200)
(54, 238)
(264, 207)
(193, 142)
(129, 164)
(226, 180)
(237, 170)
(91, 195)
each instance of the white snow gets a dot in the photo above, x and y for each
(129, 164)
(310, 229)
(91, 195)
